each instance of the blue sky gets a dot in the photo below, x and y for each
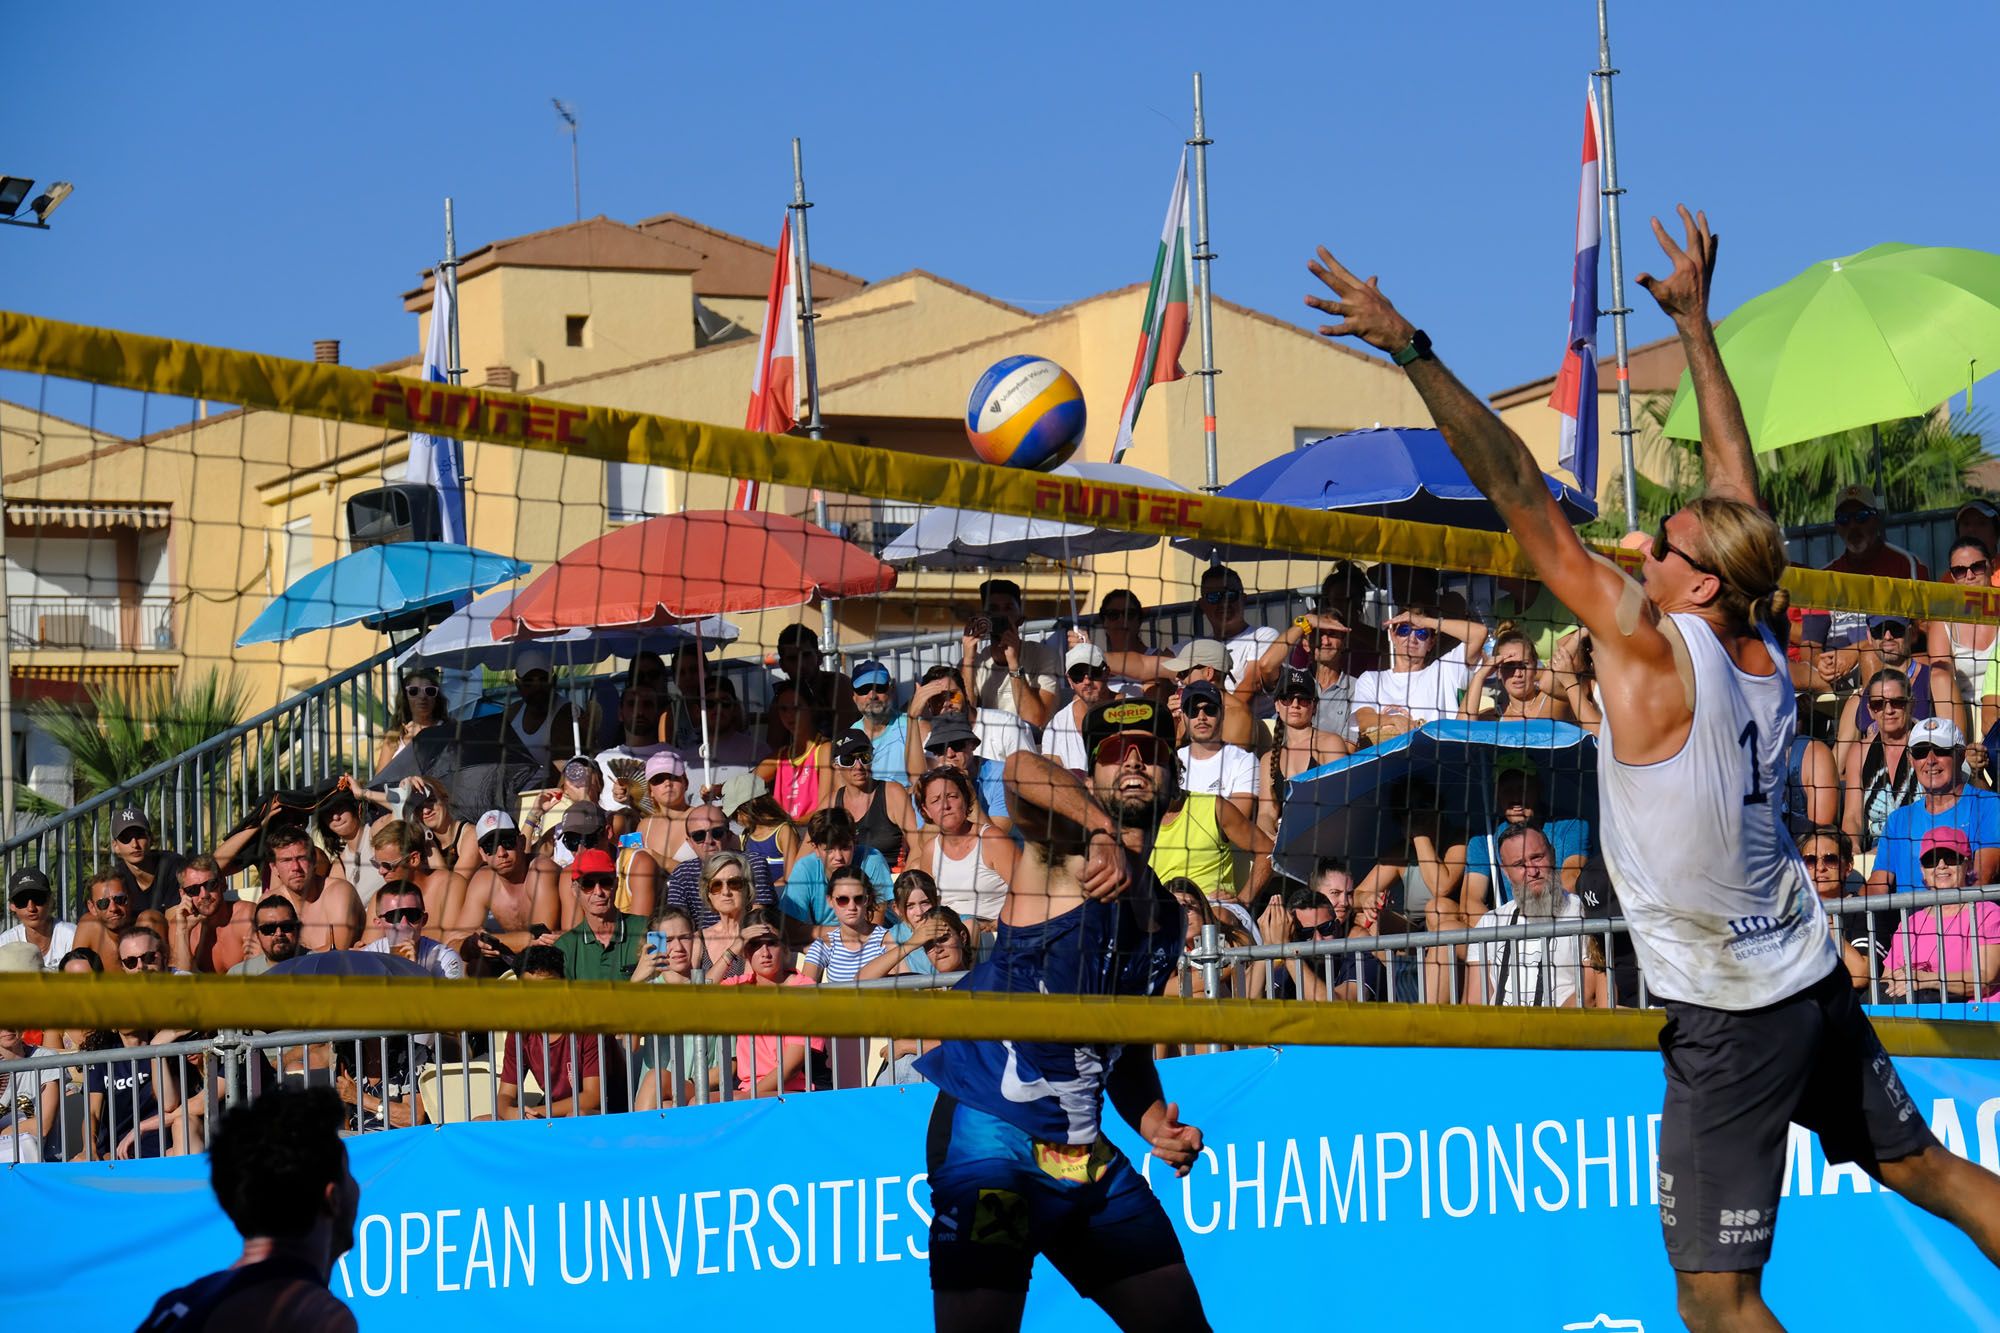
(261, 176)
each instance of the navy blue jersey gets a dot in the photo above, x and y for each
(1050, 1091)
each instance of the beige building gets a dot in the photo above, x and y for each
(1655, 370)
(151, 555)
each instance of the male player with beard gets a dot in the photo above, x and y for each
(1019, 1165)
(1763, 1027)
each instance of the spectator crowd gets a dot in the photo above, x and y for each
(697, 826)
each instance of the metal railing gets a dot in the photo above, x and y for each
(145, 625)
(1417, 966)
(190, 798)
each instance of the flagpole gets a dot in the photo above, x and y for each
(1611, 192)
(1202, 256)
(802, 267)
(454, 371)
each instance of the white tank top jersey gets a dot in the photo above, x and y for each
(1721, 910)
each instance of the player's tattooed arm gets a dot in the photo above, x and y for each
(1683, 295)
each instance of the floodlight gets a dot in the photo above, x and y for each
(13, 189)
(50, 199)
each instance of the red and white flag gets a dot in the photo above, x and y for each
(1163, 331)
(774, 393)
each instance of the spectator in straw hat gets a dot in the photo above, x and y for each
(31, 900)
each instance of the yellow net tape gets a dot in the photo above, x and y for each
(397, 404)
(403, 1005)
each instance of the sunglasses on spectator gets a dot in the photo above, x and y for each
(1924, 750)
(953, 747)
(1079, 674)
(190, 890)
(131, 835)
(499, 842)
(853, 760)
(26, 896)
(1663, 547)
(1218, 598)
(1882, 703)
(1847, 518)
(421, 691)
(1509, 668)
(572, 839)
(396, 916)
(386, 866)
(117, 899)
(1413, 632)
(1202, 708)
(880, 687)
(1296, 698)
(666, 777)
(290, 927)
(707, 834)
(1322, 930)
(1113, 749)
(1931, 860)
(1980, 567)
(733, 884)
(761, 943)
(607, 883)
(1823, 859)
(1892, 629)
(133, 962)
(850, 899)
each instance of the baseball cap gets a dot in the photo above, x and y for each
(1877, 622)
(1084, 655)
(1116, 715)
(947, 731)
(28, 882)
(870, 672)
(1199, 653)
(582, 817)
(1857, 494)
(493, 821)
(577, 771)
(1946, 838)
(128, 818)
(666, 761)
(1296, 684)
(742, 789)
(851, 746)
(20, 956)
(1985, 507)
(531, 659)
(1200, 689)
(1939, 731)
(592, 861)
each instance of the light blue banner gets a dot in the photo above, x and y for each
(1392, 1189)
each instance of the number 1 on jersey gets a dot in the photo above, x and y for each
(1755, 796)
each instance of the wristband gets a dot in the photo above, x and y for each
(1418, 349)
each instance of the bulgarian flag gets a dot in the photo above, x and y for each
(773, 394)
(1164, 331)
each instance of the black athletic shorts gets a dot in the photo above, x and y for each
(1736, 1082)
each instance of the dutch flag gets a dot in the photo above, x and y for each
(1575, 395)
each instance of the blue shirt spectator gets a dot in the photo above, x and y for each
(875, 702)
(805, 891)
(1974, 812)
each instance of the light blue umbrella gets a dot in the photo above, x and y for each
(465, 639)
(1354, 809)
(379, 581)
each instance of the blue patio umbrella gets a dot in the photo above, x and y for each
(1357, 809)
(1405, 472)
(379, 581)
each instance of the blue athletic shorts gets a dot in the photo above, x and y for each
(999, 1198)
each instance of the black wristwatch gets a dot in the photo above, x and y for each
(1419, 349)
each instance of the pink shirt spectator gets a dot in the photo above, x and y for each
(760, 1054)
(1916, 942)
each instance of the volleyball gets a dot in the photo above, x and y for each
(1026, 411)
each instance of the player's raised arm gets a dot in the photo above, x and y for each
(1492, 455)
(1683, 295)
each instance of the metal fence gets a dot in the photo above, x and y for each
(1927, 535)
(191, 798)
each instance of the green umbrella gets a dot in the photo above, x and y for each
(1889, 333)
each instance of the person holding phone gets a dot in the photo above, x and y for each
(1001, 671)
(671, 956)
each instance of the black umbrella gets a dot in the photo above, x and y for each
(347, 963)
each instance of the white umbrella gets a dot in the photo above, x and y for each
(961, 538)
(465, 639)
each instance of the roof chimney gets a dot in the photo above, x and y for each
(326, 351)
(502, 378)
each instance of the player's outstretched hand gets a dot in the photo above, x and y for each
(1364, 312)
(1107, 870)
(1175, 1144)
(1683, 293)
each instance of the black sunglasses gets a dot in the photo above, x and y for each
(1079, 674)
(103, 903)
(1924, 750)
(1980, 567)
(1892, 629)
(150, 958)
(26, 896)
(1202, 708)
(498, 842)
(707, 834)
(1662, 548)
(606, 882)
(1218, 598)
(1931, 860)
(396, 916)
(882, 688)
(1848, 518)
(190, 890)
(1883, 702)
(278, 927)
(1322, 930)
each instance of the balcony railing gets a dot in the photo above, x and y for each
(90, 622)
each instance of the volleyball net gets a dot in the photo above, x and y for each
(232, 615)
